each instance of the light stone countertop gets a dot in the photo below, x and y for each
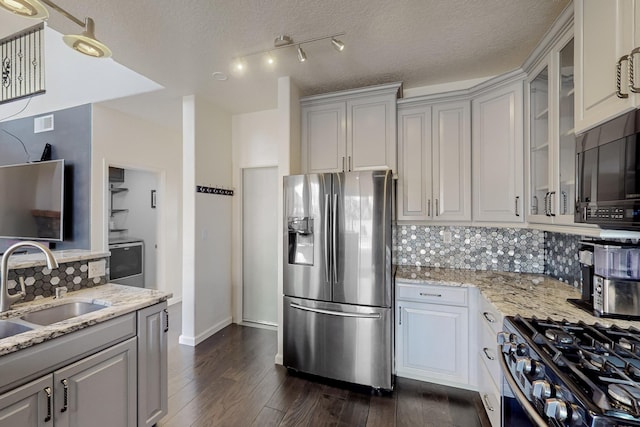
(513, 293)
(119, 299)
(62, 256)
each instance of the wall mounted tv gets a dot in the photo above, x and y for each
(32, 201)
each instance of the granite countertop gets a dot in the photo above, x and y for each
(69, 255)
(119, 299)
(513, 293)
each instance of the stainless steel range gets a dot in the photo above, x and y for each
(559, 373)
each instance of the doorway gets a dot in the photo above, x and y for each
(259, 245)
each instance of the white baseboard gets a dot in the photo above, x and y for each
(194, 341)
(279, 359)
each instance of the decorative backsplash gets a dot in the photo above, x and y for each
(473, 248)
(561, 257)
(482, 248)
(41, 282)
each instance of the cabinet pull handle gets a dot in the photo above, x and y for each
(489, 317)
(65, 398)
(399, 315)
(428, 207)
(619, 77)
(343, 164)
(487, 354)
(547, 211)
(349, 163)
(437, 208)
(47, 391)
(517, 197)
(166, 320)
(632, 85)
(551, 213)
(489, 407)
(534, 206)
(427, 294)
(565, 209)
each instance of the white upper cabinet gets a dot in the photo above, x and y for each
(434, 150)
(607, 38)
(551, 137)
(497, 154)
(350, 130)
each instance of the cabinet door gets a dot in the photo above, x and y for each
(153, 325)
(99, 390)
(414, 152)
(603, 34)
(497, 155)
(30, 405)
(371, 133)
(452, 161)
(432, 342)
(324, 138)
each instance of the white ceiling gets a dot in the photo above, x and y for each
(419, 42)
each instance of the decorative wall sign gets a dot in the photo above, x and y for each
(22, 64)
(213, 190)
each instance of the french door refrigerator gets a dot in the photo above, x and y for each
(338, 291)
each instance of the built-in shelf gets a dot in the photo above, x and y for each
(542, 187)
(540, 147)
(542, 114)
(118, 189)
(117, 230)
(115, 211)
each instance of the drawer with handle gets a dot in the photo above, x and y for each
(490, 395)
(435, 294)
(490, 316)
(488, 353)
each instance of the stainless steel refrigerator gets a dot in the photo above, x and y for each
(338, 291)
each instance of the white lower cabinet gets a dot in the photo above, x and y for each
(489, 323)
(99, 390)
(432, 338)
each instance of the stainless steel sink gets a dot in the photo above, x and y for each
(9, 329)
(61, 312)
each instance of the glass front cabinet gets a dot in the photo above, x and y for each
(551, 137)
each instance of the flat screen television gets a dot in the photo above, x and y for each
(32, 201)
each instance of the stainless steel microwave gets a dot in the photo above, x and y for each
(608, 173)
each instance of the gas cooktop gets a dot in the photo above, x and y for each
(575, 374)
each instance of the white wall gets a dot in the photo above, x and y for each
(132, 143)
(265, 138)
(207, 221)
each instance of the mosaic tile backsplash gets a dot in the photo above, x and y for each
(475, 248)
(41, 282)
(482, 248)
(561, 257)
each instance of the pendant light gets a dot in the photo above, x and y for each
(87, 43)
(27, 8)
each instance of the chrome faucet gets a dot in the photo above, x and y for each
(5, 299)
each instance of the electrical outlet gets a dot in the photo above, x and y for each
(96, 268)
(446, 237)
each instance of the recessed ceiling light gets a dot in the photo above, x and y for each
(218, 75)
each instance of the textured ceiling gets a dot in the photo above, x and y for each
(419, 42)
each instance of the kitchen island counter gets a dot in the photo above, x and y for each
(512, 293)
(117, 299)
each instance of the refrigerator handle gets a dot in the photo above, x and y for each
(325, 245)
(336, 313)
(334, 244)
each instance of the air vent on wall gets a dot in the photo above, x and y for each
(43, 124)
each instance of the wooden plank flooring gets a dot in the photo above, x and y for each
(231, 380)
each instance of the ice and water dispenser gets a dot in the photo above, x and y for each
(300, 232)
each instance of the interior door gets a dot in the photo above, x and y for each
(259, 239)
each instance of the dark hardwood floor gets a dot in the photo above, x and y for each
(231, 380)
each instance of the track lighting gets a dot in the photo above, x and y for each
(282, 42)
(301, 55)
(85, 43)
(337, 44)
